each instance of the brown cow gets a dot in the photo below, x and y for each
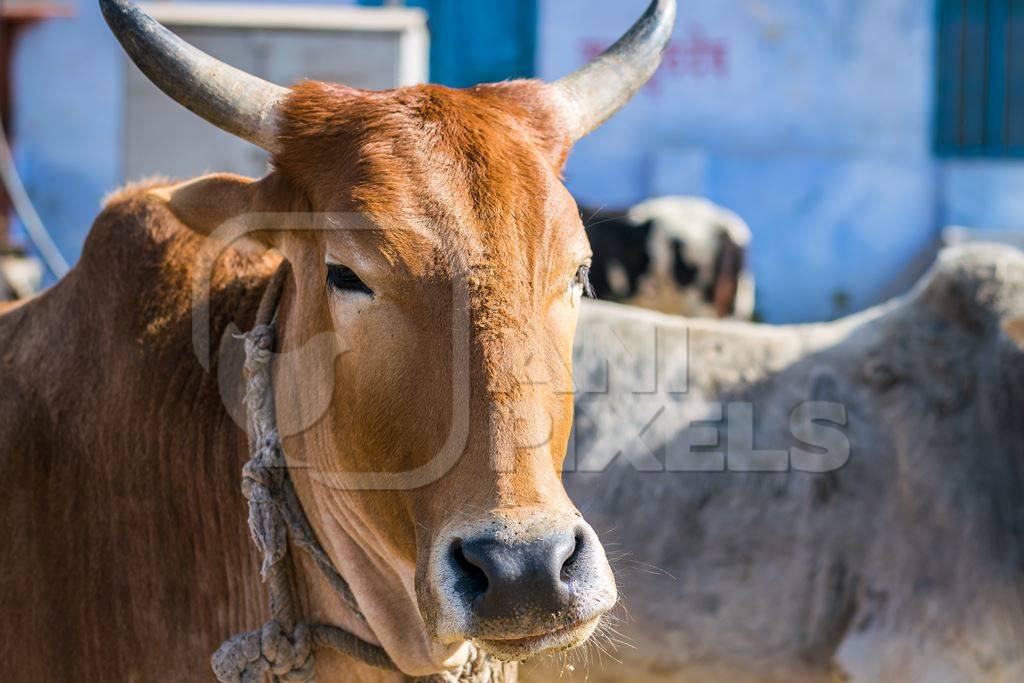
(437, 265)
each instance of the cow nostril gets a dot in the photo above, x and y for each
(570, 562)
(472, 579)
(500, 578)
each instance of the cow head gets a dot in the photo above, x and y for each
(438, 262)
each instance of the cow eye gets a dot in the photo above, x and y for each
(582, 280)
(341, 278)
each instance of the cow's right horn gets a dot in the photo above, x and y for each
(240, 103)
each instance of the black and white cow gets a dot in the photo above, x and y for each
(680, 255)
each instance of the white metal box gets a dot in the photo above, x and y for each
(373, 48)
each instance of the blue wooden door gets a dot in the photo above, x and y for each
(479, 41)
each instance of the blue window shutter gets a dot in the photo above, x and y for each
(974, 57)
(980, 78)
(1015, 80)
(997, 24)
(479, 41)
(949, 77)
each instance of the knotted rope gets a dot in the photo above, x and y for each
(284, 646)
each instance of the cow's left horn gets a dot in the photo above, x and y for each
(240, 103)
(605, 85)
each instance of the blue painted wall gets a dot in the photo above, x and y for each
(813, 120)
(68, 92)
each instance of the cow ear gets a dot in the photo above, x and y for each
(224, 206)
(1014, 329)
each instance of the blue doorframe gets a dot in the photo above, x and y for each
(479, 42)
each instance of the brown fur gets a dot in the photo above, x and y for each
(121, 465)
